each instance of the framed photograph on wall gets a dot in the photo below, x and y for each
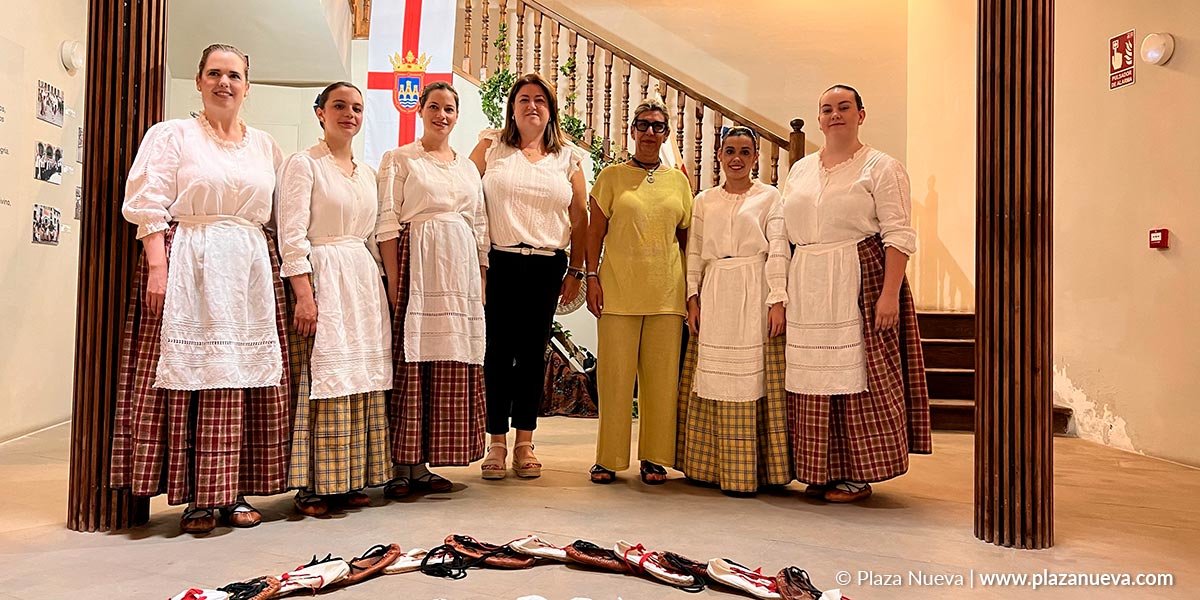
(78, 202)
(47, 163)
(47, 222)
(50, 105)
(79, 148)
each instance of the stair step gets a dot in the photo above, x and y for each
(946, 325)
(959, 415)
(949, 354)
(951, 383)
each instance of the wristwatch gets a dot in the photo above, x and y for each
(577, 274)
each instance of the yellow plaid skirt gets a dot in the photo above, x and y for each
(739, 446)
(339, 444)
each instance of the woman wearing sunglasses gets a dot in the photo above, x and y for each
(640, 210)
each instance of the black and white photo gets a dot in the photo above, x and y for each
(48, 163)
(50, 105)
(46, 224)
(78, 202)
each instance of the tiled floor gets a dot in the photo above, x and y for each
(1116, 513)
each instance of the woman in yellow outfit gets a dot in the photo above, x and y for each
(640, 210)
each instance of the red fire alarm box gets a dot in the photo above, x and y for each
(1160, 239)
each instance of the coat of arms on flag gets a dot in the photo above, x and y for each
(410, 75)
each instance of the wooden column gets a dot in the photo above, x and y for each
(1014, 459)
(126, 59)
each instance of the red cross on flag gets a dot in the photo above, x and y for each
(411, 46)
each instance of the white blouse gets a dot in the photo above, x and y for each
(326, 227)
(527, 202)
(827, 212)
(218, 324)
(728, 225)
(442, 204)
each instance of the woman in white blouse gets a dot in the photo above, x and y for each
(857, 399)
(537, 207)
(203, 407)
(433, 236)
(732, 405)
(341, 359)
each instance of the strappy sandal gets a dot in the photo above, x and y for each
(355, 499)
(310, 504)
(530, 468)
(500, 557)
(648, 469)
(601, 475)
(538, 548)
(371, 563)
(794, 584)
(260, 588)
(848, 491)
(241, 514)
(591, 555)
(200, 594)
(643, 561)
(740, 577)
(317, 574)
(493, 468)
(431, 482)
(198, 520)
(684, 564)
(397, 488)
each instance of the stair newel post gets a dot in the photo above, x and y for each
(795, 142)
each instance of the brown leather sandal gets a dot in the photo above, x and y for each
(355, 499)
(848, 491)
(431, 482)
(241, 514)
(793, 584)
(591, 555)
(397, 488)
(371, 563)
(500, 557)
(260, 588)
(198, 520)
(310, 505)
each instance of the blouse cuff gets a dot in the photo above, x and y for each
(904, 241)
(483, 259)
(292, 268)
(151, 228)
(387, 233)
(776, 297)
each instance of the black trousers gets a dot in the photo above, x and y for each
(522, 293)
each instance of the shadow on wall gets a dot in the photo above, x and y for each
(938, 281)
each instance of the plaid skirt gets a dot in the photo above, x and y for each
(867, 436)
(737, 445)
(437, 410)
(339, 444)
(207, 446)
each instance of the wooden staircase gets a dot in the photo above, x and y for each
(948, 340)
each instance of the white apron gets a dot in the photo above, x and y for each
(352, 349)
(444, 320)
(825, 353)
(218, 324)
(733, 327)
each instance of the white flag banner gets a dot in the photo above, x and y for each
(411, 46)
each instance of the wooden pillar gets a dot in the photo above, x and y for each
(125, 81)
(1014, 459)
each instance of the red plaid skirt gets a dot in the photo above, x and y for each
(204, 446)
(868, 436)
(437, 410)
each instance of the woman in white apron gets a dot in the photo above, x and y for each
(202, 407)
(732, 407)
(432, 233)
(857, 399)
(341, 356)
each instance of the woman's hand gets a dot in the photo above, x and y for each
(887, 312)
(305, 318)
(156, 289)
(570, 289)
(392, 289)
(483, 284)
(776, 320)
(595, 297)
(693, 315)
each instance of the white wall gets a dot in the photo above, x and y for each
(37, 282)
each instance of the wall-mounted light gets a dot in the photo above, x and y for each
(1157, 48)
(71, 54)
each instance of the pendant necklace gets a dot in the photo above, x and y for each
(650, 169)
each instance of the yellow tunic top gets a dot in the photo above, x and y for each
(642, 270)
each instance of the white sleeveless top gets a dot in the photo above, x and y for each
(527, 202)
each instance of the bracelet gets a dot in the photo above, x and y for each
(571, 269)
(593, 274)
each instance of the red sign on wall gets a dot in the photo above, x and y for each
(1120, 60)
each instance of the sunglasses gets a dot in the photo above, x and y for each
(658, 127)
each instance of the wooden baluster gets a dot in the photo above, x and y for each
(520, 38)
(774, 164)
(555, 28)
(608, 134)
(699, 147)
(483, 40)
(645, 85)
(537, 43)
(628, 68)
(590, 119)
(680, 104)
(718, 122)
(573, 44)
(754, 172)
(466, 62)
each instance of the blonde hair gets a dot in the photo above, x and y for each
(223, 48)
(651, 105)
